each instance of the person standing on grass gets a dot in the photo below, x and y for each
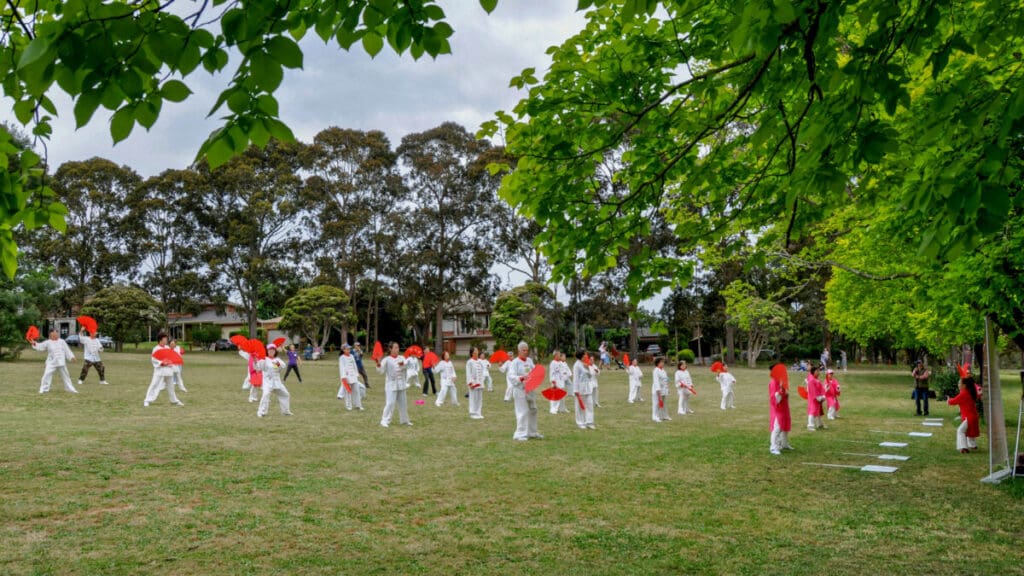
(357, 353)
(583, 391)
(815, 397)
(635, 381)
(921, 375)
(559, 374)
(348, 374)
(271, 367)
(173, 345)
(832, 394)
(91, 349)
(969, 429)
(412, 372)
(395, 385)
(293, 364)
(779, 418)
(684, 387)
(508, 383)
(428, 372)
(525, 402)
(727, 382)
(595, 371)
(659, 392)
(163, 375)
(488, 381)
(446, 372)
(476, 367)
(58, 354)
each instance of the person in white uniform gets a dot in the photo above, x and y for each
(348, 373)
(525, 403)
(446, 373)
(583, 392)
(395, 385)
(560, 374)
(173, 345)
(58, 354)
(659, 392)
(727, 382)
(272, 368)
(476, 370)
(635, 381)
(163, 375)
(684, 387)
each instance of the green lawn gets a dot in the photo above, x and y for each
(96, 484)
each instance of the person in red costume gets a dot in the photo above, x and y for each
(779, 420)
(967, 401)
(815, 396)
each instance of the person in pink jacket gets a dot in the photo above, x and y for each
(832, 394)
(815, 397)
(779, 420)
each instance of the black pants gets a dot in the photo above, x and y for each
(428, 377)
(289, 371)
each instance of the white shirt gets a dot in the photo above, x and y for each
(517, 369)
(726, 380)
(412, 367)
(635, 375)
(57, 352)
(581, 378)
(560, 374)
(393, 369)
(271, 368)
(660, 383)
(91, 348)
(159, 370)
(347, 368)
(683, 379)
(446, 371)
(475, 369)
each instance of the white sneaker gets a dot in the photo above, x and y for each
(178, 403)
(145, 404)
(775, 452)
(104, 382)
(79, 382)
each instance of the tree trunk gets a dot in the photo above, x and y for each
(634, 338)
(439, 329)
(730, 338)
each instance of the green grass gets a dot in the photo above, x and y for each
(96, 484)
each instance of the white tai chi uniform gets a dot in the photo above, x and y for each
(560, 376)
(395, 385)
(348, 372)
(583, 391)
(635, 382)
(487, 374)
(595, 371)
(177, 371)
(508, 383)
(163, 377)
(57, 355)
(659, 391)
(525, 403)
(412, 371)
(272, 384)
(683, 385)
(475, 371)
(727, 381)
(446, 372)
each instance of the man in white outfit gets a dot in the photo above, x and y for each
(91, 348)
(525, 403)
(583, 392)
(395, 385)
(163, 375)
(272, 366)
(57, 357)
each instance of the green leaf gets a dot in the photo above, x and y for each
(219, 152)
(285, 51)
(174, 90)
(488, 5)
(23, 110)
(36, 51)
(121, 123)
(372, 43)
(266, 72)
(267, 104)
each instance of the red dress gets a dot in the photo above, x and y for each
(968, 412)
(778, 412)
(814, 390)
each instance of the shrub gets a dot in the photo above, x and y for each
(687, 355)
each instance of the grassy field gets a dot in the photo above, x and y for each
(95, 483)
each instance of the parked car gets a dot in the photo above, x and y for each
(224, 344)
(106, 341)
(73, 340)
(653, 350)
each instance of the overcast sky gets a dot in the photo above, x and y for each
(395, 94)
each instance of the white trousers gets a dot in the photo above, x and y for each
(488, 382)
(814, 422)
(728, 398)
(585, 415)
(832, 412)
(779, 439)
(658, 414)
(159, 383)
(178, 381)
(684, 401)
(476, 403)
(593, 392)
(557, 406)
(634, 393)
(526, 415)
(354, 398)
(44, 384)
(447, 389)
(962, 441)
(283, 398)
(508, 391)
(393, 398)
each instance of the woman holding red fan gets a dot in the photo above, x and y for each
(271, 366)
(583, 391)
(659, 392)
(163, 372)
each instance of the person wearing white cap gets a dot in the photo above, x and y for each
(348, 373)
(271, 367)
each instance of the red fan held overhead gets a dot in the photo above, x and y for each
(498, 357)
(168, 356)
(257, 349)
(554, 394)
(717, 367)
(781, 375)
(378, 351)
(241, 341)
(278, 342)
(413, 350)
(88, 323)
(964, 369)
(32, 334)
(802, 391)
(534, 378)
